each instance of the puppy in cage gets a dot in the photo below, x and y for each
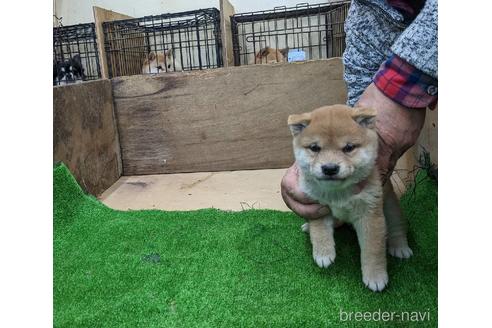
(68, 71)
(161, 62)
(311, 32)
(269, 55)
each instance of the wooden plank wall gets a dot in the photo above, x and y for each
(226, 11)
(103, 15)
(224, 119)
(85, 137)
(428, 137)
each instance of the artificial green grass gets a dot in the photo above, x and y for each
(212, 268)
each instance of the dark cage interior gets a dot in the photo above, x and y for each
(268, 36)
(169, 42)
(75, 55)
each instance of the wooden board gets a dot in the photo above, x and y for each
(428, 136)
(226, 11)
(406, 166)
(223, 119)
(84, 134)
(229, 191)
(103, 15)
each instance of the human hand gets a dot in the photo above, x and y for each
(298, 201)
(398, 127)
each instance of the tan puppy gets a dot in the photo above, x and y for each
(271, 55)
(336, 149)
(161, 63)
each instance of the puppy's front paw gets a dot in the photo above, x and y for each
(324, 256)
(398, 247)
(375, 280)
(402, 252)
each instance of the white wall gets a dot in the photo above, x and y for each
(80, 11)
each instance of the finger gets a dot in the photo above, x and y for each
(390, 167)
(384, 159)
(300, 196)
(386, 169)
(310, 212)
(290, 184)
(307, 211)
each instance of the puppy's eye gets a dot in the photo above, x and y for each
(315, 148)
(348, 148)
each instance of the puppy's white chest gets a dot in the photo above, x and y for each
(344, 205)
(341, 213)
(348, 211)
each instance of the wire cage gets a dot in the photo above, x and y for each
(75, 55)
(168, 42)
(267, 36)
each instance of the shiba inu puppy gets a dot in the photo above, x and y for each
(162, 62)
(336, 148)
(271, 55)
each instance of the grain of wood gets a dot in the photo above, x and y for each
(84, 134)
(223, 119)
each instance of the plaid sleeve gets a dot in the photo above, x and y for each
(405, 84)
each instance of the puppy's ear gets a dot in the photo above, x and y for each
(77, 64)
(151, 56)
(365, 117)
(298, 122)
(263, 52)
(77, 59)
(285, 52)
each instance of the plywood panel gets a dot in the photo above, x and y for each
(226, 11)
(224, 119)
(227, 190)
(103, 15)
(428, 136)
(84, 134)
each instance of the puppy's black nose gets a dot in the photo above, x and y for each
(330, 169)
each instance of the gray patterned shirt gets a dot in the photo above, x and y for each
(375, 30)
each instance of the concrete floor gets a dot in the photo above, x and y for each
(237, 190)
(230, 190)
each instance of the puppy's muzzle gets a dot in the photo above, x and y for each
(330, 169)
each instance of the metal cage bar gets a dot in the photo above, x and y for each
(169, 42)
(75, 54)
(316, 29)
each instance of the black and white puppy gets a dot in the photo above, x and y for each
(68, 72)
